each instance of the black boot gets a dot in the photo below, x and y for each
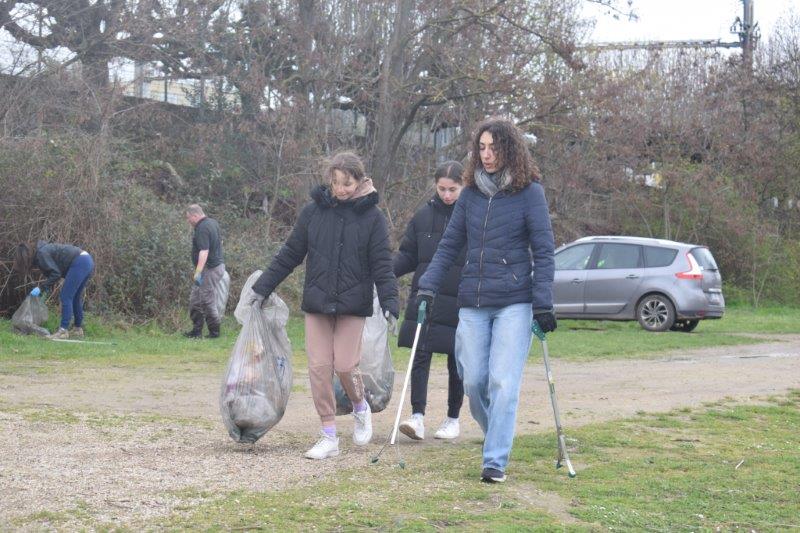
(213, 329)
(197, 325)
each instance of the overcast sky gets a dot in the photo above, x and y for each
(668, 20)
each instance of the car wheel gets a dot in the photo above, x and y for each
(655, 313)
(684, 325)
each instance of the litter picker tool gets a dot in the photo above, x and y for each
(563, 456)
(420, 320)
(85, 342)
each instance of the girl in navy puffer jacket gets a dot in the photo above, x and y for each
(502, 218)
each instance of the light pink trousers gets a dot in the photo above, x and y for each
(333, 344)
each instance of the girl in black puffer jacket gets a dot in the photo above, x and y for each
(344, 236)
(438, 334)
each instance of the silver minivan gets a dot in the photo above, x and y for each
(665, 285)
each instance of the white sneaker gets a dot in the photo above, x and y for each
(362, 431)
(325, 447)
(449, 429)
(414, 427)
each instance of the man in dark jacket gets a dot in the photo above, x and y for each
(208, 271)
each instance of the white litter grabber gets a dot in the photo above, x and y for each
(420, 320)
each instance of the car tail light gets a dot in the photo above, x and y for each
(694, 271)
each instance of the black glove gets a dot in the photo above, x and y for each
(546, 320)
(257, 299)
(391, 322)
(426, 296)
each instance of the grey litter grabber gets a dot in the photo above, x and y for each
(84, 342)
(420, 320)
(563, 456)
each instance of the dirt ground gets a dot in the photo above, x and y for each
(126, 445)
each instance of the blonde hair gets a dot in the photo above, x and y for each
(348, 162)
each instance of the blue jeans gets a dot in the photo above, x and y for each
(78, 274)
(492, 344)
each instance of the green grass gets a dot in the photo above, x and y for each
(727, 466)
(149, 346)
(129, 347)
(590, 340)
(761, 320)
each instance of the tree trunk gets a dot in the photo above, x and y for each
(388, 118)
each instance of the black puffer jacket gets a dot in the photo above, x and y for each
(54, 260)
(416, 251)
(347, 244)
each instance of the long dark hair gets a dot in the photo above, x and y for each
(449, 169)
(23, 259)
(512, 151)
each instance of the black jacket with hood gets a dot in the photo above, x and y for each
(54, 260)
(417, 248)
(347, 244)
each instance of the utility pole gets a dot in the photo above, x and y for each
(747, 30)
(745, 27)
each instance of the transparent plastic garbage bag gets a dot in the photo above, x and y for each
(258, 379)
(28, 319)
(376, 367)
(221, 290)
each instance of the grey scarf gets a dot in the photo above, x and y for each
(491, 184)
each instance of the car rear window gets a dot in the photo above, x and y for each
(656, 256)
(704, 258)
(618, 256)
(574, 258)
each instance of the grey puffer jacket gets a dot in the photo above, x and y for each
(54, 260)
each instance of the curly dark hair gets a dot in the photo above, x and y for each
(512, 151)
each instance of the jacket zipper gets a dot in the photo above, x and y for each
(483, 243)
(511, 269)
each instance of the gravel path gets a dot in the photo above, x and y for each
(126, 445)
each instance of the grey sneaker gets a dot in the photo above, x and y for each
(59, 334)
(76, 333)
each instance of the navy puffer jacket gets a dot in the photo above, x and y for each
(347, 244)
(507, 237)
